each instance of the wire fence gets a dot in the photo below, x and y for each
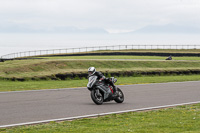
(94, 49)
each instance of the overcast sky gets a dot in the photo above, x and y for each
(114, 16)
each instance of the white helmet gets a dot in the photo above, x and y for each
(91, 71)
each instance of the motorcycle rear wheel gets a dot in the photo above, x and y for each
(120, 97)
(96, 99)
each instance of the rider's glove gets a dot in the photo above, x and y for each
(101, 79)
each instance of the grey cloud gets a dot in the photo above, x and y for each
(105, 14)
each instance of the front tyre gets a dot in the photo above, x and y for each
(98, 99)
(120, 97)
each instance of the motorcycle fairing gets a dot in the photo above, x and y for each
(104, 88)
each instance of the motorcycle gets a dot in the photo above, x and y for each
(103, 92)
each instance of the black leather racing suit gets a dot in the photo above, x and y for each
(100, 76)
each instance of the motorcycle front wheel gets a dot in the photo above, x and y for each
(97, 99)
(120, 97)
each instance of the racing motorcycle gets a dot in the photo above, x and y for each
(103, 92)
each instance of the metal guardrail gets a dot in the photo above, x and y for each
(94, 49)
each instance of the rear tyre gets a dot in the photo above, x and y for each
(120, 97)
(96, 99)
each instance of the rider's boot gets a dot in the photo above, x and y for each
(115, 91)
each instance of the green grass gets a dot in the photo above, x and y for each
(54, 84)
(48, 67)
(169, 120)
(122, 57)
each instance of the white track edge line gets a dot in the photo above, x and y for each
(95, 115)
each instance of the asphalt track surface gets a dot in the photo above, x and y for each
(30, 106)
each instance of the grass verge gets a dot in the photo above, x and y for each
(53, 84)
(178, 119)
(44, 68)
(122, 57)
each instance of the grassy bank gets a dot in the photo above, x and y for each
(178, 119)
(54, 84)
(122, 57)
(49, 67)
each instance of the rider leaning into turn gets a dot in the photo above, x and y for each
(92, 71)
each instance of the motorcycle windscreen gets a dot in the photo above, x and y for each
(92, 80)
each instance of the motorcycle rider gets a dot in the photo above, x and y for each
(92, 71)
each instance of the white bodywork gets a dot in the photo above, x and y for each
(91, 81)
